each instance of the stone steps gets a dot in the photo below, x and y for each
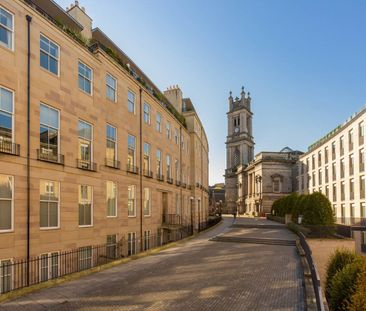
(254, 240)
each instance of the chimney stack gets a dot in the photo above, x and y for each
(79, 14)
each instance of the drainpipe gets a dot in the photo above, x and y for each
(141, 170)
(29, 19)
(180, 172)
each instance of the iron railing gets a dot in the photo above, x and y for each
(86, 165)
(148, 173)
(160, 177)
(9, 147)
(132, 169)
(177, 183)
(169, 180)
(183, 185)
(50, 156)
(113, 163)
(172, 219)
(314, 273)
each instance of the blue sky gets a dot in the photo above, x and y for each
(303, 61)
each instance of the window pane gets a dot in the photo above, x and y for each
(81, 215)
(5, 215)
(6, 187)
(43, 214)
(53, 66)
(87, 214)
(6, 125)
(6, 19)
(54, 50)
(53, 214)
(85, 130)
(6, 100)
(43, 58)
(111, 132)
(131, 142)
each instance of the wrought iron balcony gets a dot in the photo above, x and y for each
(169, 180)
(132, 169)
(148, 173)
(177, 183)
(49, 155)
(113, 163)
(160, 177)
(183, 185)
(86, 165)
(189, 187)
(172, 219)
(9, 147)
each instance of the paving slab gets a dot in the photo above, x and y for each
(195, 275)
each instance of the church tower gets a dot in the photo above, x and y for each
(239, 144)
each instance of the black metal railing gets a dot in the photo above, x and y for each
(132, 169)
(160, 177)
(148, 173)
(113, 163)
(169, 180)
(314, 273)
(189, 187)
(183, 185)
(86, 165)
(171, 219)
(9, 147)
(177, 183)
(50, 156)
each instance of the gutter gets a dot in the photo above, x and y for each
(29, 19)
(141, 170)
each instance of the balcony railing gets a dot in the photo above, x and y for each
(160, 177)
(132, 169)
(172, 219)
(112, 163)
(189, 187)
(9, 147)
(177, 183)
(169, 180)
(50, 156)
(86, 165)
(148, 173)
(183, 185)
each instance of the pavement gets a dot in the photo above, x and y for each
(199, 274)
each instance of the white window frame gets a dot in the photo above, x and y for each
(11, 30)
(12, 205)
(90, 80)
(134, 149)
(86, 258)
(133, 187)
(49, 265)
(59, 54)
(11, 274)
(45, 125)
(149, 201)
(91, 207)
(116, 198)
(111, 87)
(114, 141)
(168, 130)
(148, 155)
(86, 139)
(147, 114)
(131, 243)
(133, 103)
(11, 113)
(158, 122)
(160, 160)
(58, 205)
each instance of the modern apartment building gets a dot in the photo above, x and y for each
(335, 166)
(91, 151)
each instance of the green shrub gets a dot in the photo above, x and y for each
(343, 285)
(317, 210)
(298, 206)
(358, 299)
(284, 205)
(337, 261)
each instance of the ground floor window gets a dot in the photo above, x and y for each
(49, 266)
(131, 243)
(147, 240)
(85, 257)
(6, 269)
(111, 246)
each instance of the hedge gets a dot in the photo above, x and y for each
(338, 260)
(344, 285)
(315, 208)
(358, 299)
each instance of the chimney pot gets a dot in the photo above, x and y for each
(76, 2)
(83, 9)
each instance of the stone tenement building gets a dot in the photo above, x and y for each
(107, 156)
(239, 145)
(335, 166)
(267, 178)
